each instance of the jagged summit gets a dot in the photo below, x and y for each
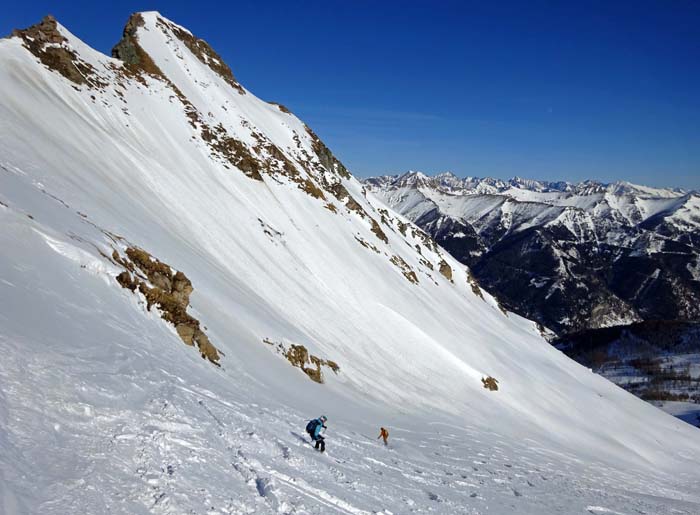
(57, 49)
(467, 185)
(155, 49)
(130, 51)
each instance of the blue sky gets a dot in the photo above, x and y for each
(606, 90)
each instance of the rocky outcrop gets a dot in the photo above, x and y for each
(204, 53)
(281, 107)
(299, 357)
(166, 290)
(328, 160)
(367, 244)
(445, 269)
(233, 150)
(474, 285)
(405, 268)
(46, 42)
(377, 230)
(137, 61)
(130, 52)
(490, 383)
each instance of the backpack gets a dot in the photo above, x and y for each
(311, 426)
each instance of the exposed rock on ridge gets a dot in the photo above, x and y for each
(205, 54)
(300, 357)
(46, 42)
(168, 291)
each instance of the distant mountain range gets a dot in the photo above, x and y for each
(570, 256)
(612, 269)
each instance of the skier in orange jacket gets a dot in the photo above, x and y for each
(384, 434)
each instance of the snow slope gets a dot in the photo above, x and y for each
(103, 409)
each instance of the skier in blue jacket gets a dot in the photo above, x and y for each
(314, 428)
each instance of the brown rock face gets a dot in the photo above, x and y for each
(377, 230)
(446, 270)
(46, 42)
(130, 52)
(490, 383)
(234, 151)
(328, 160)
(405, 268)
(281, 107)
(325, 156)
(299, 357)
(186, 333)
(168, 291)
(181, 288)
(46, 31)
(474, 285)
(127, 49)
(137, 61)
(204, 53)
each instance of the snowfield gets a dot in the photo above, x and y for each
(104, 409)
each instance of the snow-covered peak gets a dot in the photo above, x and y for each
(538, 186)
(631, 202)
(411, 178)
(153, 18)
(570, 232)
(446, 176)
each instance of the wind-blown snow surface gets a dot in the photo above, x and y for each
(104, 410)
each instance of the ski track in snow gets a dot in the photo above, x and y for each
(163, 455)
(130, 433)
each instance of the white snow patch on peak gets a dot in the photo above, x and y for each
(412, 175)
(622, 187)
(151, 18)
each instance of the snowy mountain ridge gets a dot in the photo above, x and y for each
(579, 241)
(450, 183)
(154, 211)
